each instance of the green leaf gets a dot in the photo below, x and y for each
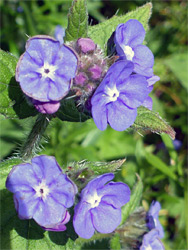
(26, 234)
(178, 65)
(134, 200)
(169, 145)
(150, 120)
(12, 100)
(115, 242)
(100, 33)
(160, 165)
(69, 112)
(77, 21)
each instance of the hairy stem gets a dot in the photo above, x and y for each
(34, 137)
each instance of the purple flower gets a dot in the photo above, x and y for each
(42, 192)
(128, 40)
(153, 220)
(116, 99)
(151, 241)
(45, 70)
(100, 206)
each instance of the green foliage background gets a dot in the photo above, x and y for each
(160, 165)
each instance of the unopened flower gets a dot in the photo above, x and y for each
(45, 70)
(153, 220)
(42, 192)
(46, 107)
(128, 40)
(116, 99)
(151, 241)
(100, 206)
(86, 45)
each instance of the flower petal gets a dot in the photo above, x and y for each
(119, 116)
(82, 221)
(116, 194)
(134, 91)
(106, 218)
(59, 226)
(148, 103)
(131, 33)
(143, 60)
(45, 46)
(49, 212)
(63, 190)
(21, 178)
(98, 110)
(49, 168)
(27, 203)
(97, 183)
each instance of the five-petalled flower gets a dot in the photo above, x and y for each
(116, 99)
(128, 40)
(46, 69)
(100, 206)
(42, 192)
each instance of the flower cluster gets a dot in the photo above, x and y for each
(44, 73)
(128, 81)
(44, 193)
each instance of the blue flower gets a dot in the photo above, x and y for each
(153, 220)
(128, 40)
(116, 99)
(42, 192)
(151, 241)
(46, 69)
(100, 206)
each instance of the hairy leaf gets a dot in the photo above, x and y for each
(12, 100)
(77, 21)
(150, 120)
(100, 33)
(134, 200)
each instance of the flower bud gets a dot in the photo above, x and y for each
(86, 45)
(80, 79)
(95, 72)
(46, 107)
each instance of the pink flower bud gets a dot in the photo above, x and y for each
(86, 45)
(46, 107)
(80, 79)
(95, 71)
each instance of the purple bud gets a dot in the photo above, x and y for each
(80, 79)
(95, 71)
(86, 45)
(46, 107)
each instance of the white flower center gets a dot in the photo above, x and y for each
(47, 70)
(94, 200)
(148, 247)
(42, 190)
(113, 94)
(128, 52)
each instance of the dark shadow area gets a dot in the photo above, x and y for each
(10, 221)
(20, 106)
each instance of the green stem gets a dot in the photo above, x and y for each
(186, 205)
(34, 137)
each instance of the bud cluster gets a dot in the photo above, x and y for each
(92, 68)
